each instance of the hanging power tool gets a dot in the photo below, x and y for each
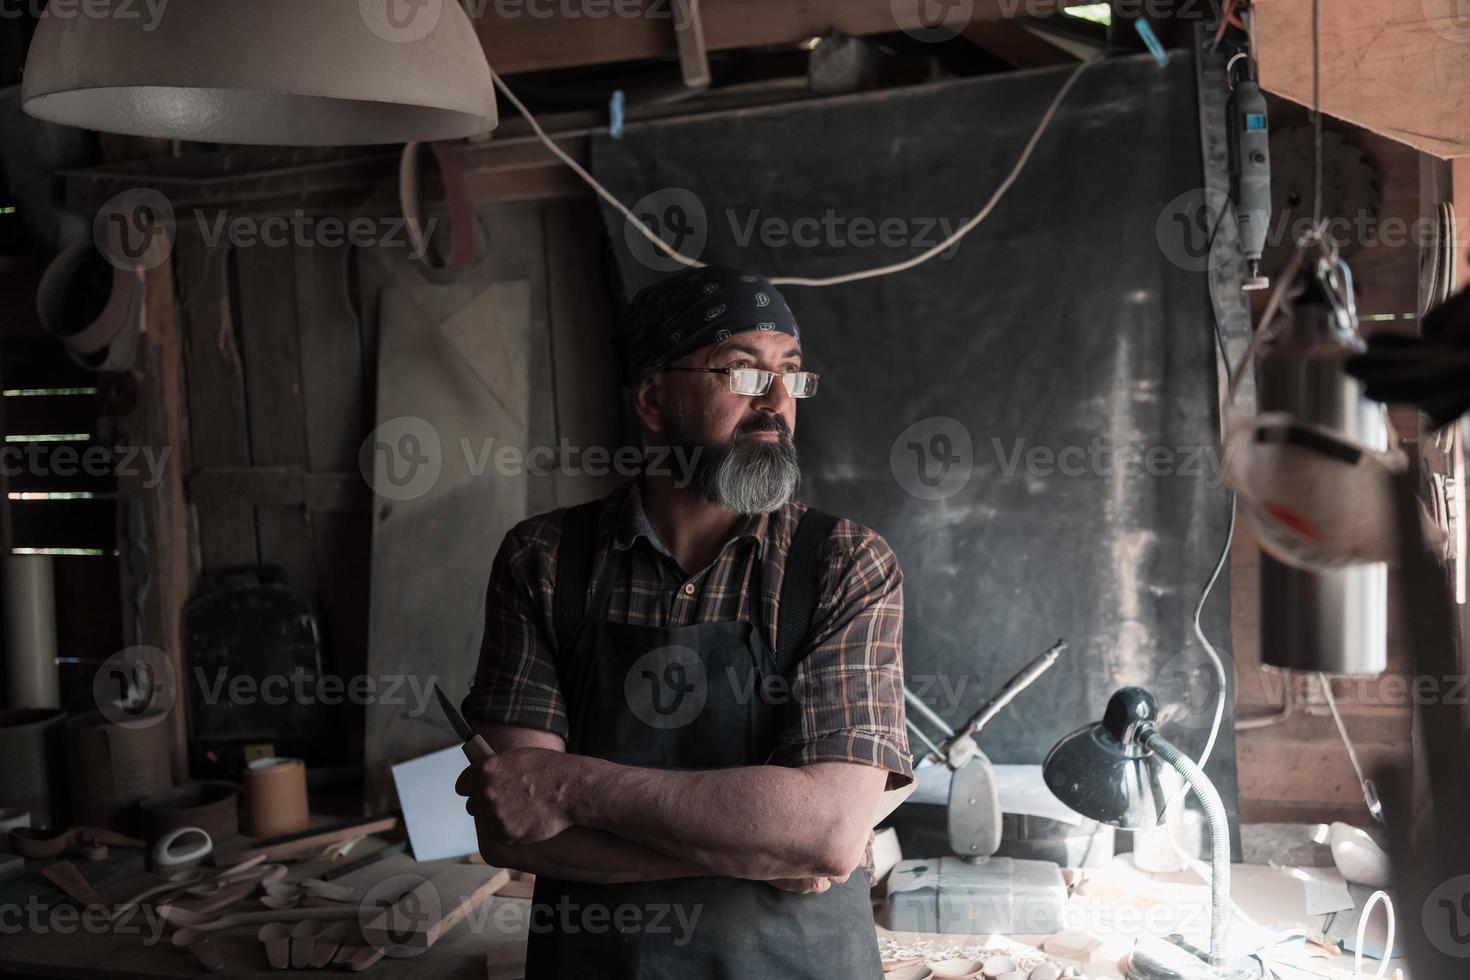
(1250, 171)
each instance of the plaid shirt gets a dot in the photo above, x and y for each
(853, 658)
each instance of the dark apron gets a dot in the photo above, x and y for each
(682, 698)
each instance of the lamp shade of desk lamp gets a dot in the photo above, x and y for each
(1110, 772)
(281, 72)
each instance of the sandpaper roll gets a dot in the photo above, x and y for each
(275, 797)
(113, 767)
(212, 807)
(33, 774)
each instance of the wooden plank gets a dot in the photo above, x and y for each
(689, 38)
(157, 423)
(518, 252)
(62, 467)
(271, 349)
(1398, 67)
(434, 535)
(337, 421)
(49, 414)
(280, 486)
(585, 380)
(218, 425)
(569, 36)
(448, 897)
(1015, 45)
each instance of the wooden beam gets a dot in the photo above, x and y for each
(689, 36)
(156, 426)
(1398, 67)
(625, 30)
(1017, 46)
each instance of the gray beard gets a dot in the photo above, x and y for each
(746, 477)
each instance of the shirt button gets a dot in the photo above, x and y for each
(688, 588)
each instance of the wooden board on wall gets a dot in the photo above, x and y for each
(219, 434)
(443, 504)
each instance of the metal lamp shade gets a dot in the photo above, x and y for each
(1103, 770)
(282, 72)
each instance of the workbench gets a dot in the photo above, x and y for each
(1113, 910)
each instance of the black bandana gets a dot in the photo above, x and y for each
(691, 310)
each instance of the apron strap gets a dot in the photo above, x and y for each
(575, 554)
(801, 586)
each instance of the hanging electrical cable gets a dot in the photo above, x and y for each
(873, 273)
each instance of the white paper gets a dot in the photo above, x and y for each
(438, 826)
(1326, 889)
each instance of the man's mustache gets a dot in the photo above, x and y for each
(764, 423)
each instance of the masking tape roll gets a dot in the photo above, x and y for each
(275, 797)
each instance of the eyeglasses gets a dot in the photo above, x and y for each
(754, 381)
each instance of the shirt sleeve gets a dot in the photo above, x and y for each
(516, 681)
(847, 688)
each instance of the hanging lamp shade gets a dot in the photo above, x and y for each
(281, 72)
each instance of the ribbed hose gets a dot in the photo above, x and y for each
(1219, 838)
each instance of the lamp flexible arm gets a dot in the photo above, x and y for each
(1214, 809)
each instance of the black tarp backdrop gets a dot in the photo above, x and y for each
(983, 411)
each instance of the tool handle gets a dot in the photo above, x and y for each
(477, 750)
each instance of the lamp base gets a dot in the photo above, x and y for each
(1177, 960)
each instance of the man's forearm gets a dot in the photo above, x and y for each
(758, 822)
(594, 856)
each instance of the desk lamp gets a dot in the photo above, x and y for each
(1110, 772)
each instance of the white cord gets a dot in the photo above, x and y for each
(1373, 900)
(874, 273)
(1370, 792)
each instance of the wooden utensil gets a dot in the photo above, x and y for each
(176, 916)
(303, 941)
(197, 943)
(276, 937)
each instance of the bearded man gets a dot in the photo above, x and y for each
(694, 686)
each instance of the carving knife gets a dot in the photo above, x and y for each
(476, 749)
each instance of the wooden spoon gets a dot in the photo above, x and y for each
(188, 918)
(176, 882)
(200, 945)
(328, 943)
(226, 896)
(276, 936)
(303, 941)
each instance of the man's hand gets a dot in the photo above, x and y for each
(520, 796)
(806, 886)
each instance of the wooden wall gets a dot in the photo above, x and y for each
(281, 362)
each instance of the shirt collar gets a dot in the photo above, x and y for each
(630, 522)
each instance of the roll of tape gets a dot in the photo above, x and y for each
(167, 859)
(275, 797)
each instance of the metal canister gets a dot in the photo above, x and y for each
(1336, 621)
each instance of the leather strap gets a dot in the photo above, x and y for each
(801, 586)
(575, 554)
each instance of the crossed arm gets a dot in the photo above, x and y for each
(539, 809)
